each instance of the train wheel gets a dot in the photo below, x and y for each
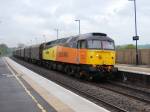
(73, 70)
(68, 70)
(80, 75)
(60, 67)
(77, 72)
(89, 77)
(77, 75)
(54, 66)
(50, 66)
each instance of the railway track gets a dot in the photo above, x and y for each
(93, 97)
(112, 99)
(143, 95)
(127, 91)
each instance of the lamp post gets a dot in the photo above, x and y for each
(57, 32)
(36, 40)
(79, 25)
(136, 37)
(44, 37)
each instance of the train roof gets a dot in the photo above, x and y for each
(87, 36)
(99, 36)
(62, 40)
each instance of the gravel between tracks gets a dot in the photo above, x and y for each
(143, 96)
(119, 100)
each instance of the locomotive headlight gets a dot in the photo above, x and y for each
(100, 57)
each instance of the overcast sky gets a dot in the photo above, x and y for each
(26, 21)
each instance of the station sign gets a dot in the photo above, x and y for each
(136, 38)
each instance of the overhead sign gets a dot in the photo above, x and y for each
(136, 38)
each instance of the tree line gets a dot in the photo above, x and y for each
(128, 46)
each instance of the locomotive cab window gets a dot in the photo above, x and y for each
(94, 44)
(108, 45)
(82, 44)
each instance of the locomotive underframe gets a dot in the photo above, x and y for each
(78, 70)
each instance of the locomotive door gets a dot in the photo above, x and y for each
(82, 51)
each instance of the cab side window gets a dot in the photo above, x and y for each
(82, 44)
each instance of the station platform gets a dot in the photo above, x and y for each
(139, 69)
(53, 98)
(16, 96)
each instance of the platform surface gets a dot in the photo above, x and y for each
(140, 69)
(60, 98)
(14, 97)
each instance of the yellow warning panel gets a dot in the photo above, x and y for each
(100, 57)
(50, 53)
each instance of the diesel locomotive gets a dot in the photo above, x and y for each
(87, 55)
